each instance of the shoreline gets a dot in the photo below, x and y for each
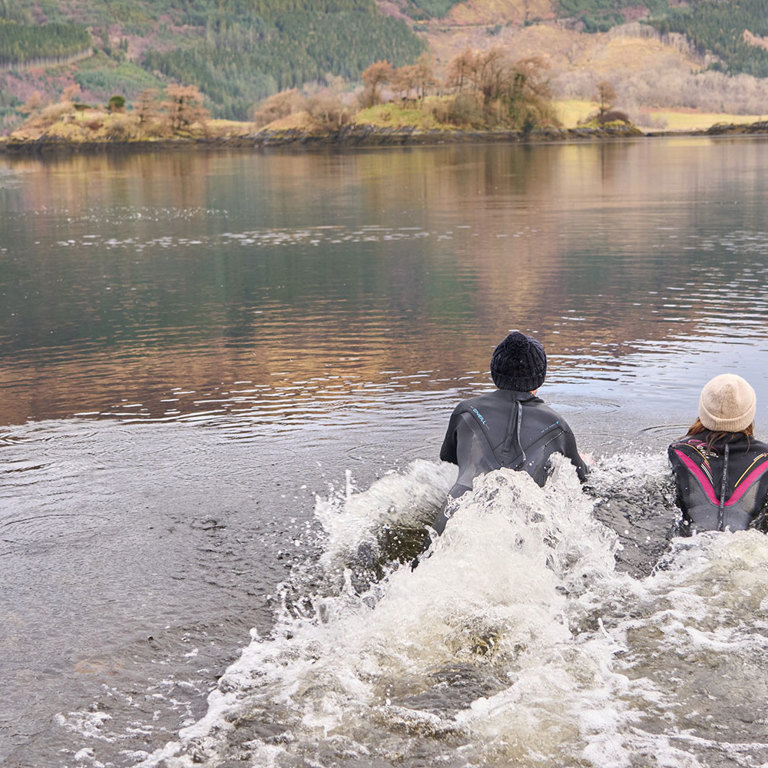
(365, 136)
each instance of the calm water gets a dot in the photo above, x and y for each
(208, 360)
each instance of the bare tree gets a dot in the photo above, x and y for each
(149, 111)
(405, 80)
(184, 107)
(606, 98)
(328, 111)
(147, 107)
(425, 74)
(374, 77)
(460, 69)
(492, 74)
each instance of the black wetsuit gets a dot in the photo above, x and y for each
(724, 487)
(505, 429)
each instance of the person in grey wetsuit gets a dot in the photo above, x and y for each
(509, 427)
(720, 469)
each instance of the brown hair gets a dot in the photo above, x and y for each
(698, 428)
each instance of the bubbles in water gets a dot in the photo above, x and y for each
(516, 640)
(262, 238)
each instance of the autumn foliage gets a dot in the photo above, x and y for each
(179, 113)
(184, 107)
(490, 89)
(480, 90)
(374, 77)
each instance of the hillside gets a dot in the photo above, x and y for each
(703, 56)
(734, 32)
(706, 54)
(236, 51)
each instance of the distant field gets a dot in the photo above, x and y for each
(572, 111)
(691, 121)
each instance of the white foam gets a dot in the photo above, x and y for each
(88, 724)
(515, 641)
(410, 499)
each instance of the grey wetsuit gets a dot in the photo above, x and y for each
(505, 428)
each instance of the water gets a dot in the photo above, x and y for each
(516, 642)
(217, 374)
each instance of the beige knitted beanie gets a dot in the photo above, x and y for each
(727, 404)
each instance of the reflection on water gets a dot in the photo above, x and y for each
(174, 286)
(327, 311)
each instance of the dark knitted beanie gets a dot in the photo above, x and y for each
(519, 363)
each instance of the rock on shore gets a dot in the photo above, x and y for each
(347, 136)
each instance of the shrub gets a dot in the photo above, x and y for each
(121, 128)
(116, 103)
(463, 110)
(328, 111)
(278, 106)
(614, 116)
(54, 112)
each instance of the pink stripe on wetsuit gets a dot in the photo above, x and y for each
(698, 473)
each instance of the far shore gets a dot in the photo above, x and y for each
(363, 136)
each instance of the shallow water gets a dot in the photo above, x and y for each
(516, 641)
(208, 361)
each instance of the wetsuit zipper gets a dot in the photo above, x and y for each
(721, 509)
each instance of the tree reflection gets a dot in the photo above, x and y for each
(125, 276)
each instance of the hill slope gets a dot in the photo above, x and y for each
(239, 51)
(735, 32)
(709, 55)
(236, 51)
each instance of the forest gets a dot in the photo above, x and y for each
(420, 9)
(712, 26)
(236, 51)
(719, 28)
(486, 90)
(294, 47)
(601, 15)
(21, 43)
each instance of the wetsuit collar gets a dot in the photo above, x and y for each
(522, 397)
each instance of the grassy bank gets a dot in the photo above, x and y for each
(571, 112)
(68, 128)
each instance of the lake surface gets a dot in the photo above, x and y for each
(225, 380)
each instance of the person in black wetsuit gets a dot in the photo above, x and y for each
(509, 427)
(720, 470)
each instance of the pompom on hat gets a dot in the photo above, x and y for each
(519, 363)
(727, 404)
